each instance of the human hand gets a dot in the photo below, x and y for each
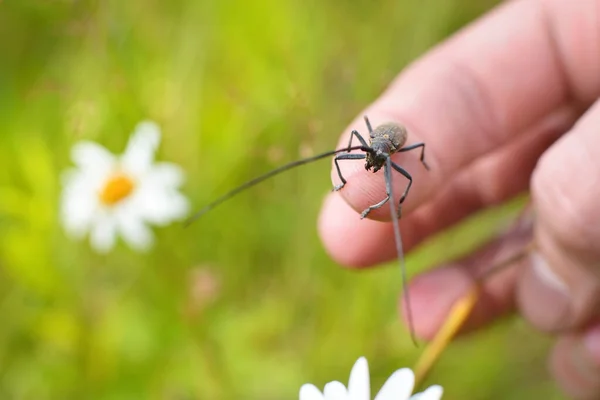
(507, 104)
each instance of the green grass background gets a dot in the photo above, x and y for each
(245, 304)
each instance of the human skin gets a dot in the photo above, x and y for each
(508, 104)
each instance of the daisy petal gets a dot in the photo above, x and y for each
(310, 392)
(179, 206)
(90, 156)
(77, 209)
(134, 232)
(399, 386)
(434, 392)
(139, 154)
(159, 202)
(335, 391)
(166, 175)
(102, 237)
(359, 386)
(160, 207)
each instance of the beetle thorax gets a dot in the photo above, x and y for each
(386, 139)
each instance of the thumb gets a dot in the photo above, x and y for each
(560, 288)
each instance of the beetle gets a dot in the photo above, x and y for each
(384, 141)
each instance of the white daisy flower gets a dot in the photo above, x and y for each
(399, 386)
(109, 195)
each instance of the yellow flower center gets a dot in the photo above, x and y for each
(118, 187)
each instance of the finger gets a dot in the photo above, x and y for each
(356, 242)
(479, 90)
(575, 364)
(433, 293)
(560, 289)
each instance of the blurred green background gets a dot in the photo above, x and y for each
(245, 304)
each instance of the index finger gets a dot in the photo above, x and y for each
(478, 91)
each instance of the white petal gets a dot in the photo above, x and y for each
(95, 166)
(161, 208)
(157, 199)
(166, 175)
(309, 391)
(434, 392)
(90, 156)
(335, 391)
(359, 386)
(399, 386)
(139, 154)
(77, 212)
(78, 203)
(133, 230)
(103, 234)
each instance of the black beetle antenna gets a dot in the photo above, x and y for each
(369, 126)
(269, 174)
(399, 250)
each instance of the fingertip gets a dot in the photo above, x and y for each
(350, 241)
(575, 364)
(431, 296)
(543, 296)
(365, 188)
(362, 188)
(557, 290)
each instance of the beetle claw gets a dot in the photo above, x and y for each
(338, 187)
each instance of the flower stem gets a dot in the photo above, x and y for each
(458, 315)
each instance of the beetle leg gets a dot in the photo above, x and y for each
(414, 146)
(410, 180)
(346, 156)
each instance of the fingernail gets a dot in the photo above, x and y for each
(526, 220)
(546, 275)
(544, 295)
